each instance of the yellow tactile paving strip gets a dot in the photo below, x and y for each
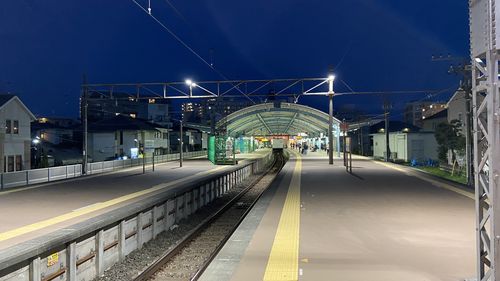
(283, 261)
(95, 207)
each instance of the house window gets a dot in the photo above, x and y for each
(19, 162)
(15, 130)
(165, 136)
(8, 126)
(10, 164)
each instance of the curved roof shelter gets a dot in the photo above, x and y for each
(277, 118)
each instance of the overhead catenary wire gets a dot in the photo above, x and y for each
(183, 43)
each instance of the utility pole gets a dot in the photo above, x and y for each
(387, 155)
(331, 93)
(464, 69)
(181, 144)
(84, 118)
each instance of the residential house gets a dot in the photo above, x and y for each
(125, 137)
(430, 123)
(102, 107)
(15, 138)
(59, 139)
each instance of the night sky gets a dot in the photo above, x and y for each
(384, 45)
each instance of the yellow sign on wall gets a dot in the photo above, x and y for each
(52, 259)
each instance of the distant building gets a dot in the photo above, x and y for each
(15, 138)
(416, 112)
(406, 146)
(102, 107)
(430, 123)
(123, 136)
(362, 133)
(207, 109)
(55, 130)
(59, 139)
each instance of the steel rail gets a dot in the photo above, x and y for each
(212, 256)
(181, 244)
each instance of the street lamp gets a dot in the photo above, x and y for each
(191, 85)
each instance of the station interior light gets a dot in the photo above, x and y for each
(331, 77)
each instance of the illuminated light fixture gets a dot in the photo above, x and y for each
(189, 82)
(479, 60)
(331, 77)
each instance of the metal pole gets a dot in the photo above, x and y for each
(181, 144)
(350, 162)
(144, 162)
(153, 161)
(234, 152)
(387, 147)
(330, 120)
(468, 137)
(345, 146)
(330, 130)
(362, 141)
(85, 125)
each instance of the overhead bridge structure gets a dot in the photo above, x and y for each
(279, 118)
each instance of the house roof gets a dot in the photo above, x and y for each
(123, 123)
(394, 126)
(7, 98)
(37, 125)
(440, 114)
(455, 96)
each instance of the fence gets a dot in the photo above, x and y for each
(108, 166)
(27, 177)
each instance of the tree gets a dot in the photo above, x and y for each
(450, 138)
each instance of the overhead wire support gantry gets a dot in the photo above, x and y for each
(190, 89)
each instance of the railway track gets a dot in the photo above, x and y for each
(189, 257)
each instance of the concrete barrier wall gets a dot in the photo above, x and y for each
(36, 176)
(84, 251)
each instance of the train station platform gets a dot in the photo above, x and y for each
(383, 222)
(37, 210)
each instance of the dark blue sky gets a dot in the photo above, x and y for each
(46, 45)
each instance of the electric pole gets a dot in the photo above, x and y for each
(464, 69)
(387, 107)
(181, 144)
(84, 118)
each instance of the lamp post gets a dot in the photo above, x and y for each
(331, 93)
(181, 144)
(36, 142)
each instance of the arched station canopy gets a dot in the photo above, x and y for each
(278, 118)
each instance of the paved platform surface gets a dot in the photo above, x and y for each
(381, 223)
(29, 212)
